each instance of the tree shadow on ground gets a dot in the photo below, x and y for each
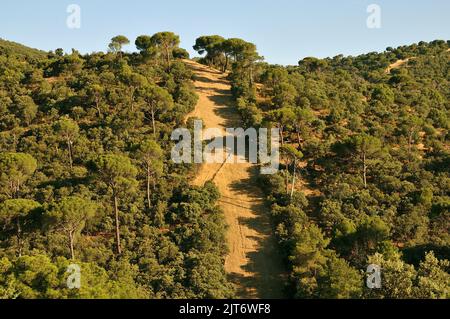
(266, 263)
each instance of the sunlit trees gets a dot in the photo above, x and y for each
(118, 173)
(308, 257)
(284, 119)
(411, 125)
(117, 43)
(151, 155)
(15, 170)
(143, 43)
(165, 43)
(25, 108)
(40, 277)
(312, 64)
(374, 171)
(246, 56)
(366, 138)
(95, 93)
(70, 215)
(206, 277)
(303, 122)
(80, 116)
(15, 214)
(134, 81)
(180, 53)
(228, 48)
(69, 131)
(433, 279)
(157, 100)
(369, 236)
(397, 278)
(365, 148)
(212, 46)
(339, 280)
(219, 51)
(284, 95)
(292, 156)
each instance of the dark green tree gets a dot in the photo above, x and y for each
(16, 214)
(15, 170)
(69, 132)
(117, 43)
(70, 215)
(118, 173)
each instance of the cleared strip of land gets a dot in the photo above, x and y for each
(253, 262)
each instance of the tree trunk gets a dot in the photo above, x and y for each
(15, 189)
(281, 135)
(116, 212)
(97, 105)
(168, 56)
(148, 187)
(226, 63)
(364, 170)
(298, 137)
(286, 171)
(410, 138)
(19, 238)
(72, 252)
(153, 122)
(293, 178)
(69, 146)
(133, 90)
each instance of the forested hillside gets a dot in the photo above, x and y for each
(365, 179)
(86, 175)
(8, 48)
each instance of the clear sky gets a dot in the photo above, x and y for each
(284, 30)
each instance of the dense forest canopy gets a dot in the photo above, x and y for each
(368, 136)
(86, 175)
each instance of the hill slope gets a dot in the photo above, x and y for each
(9, 47)
(253, 263)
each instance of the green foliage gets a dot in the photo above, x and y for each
(25, 109)
(162, 46)
(15, 218)
(69, 131)
(370, 145)
(104, 193)
(15, 170)
(37, 277)
(220, 52)
(158, 100)
(373, 163)
(180, 53)
(339, 280)
(433, 280)
(143, 43)
(16, 49)
(118, 42)
(70, 215)
(115, 169)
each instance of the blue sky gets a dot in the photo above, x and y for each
(284, 30)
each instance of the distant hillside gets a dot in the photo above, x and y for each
(8, 47)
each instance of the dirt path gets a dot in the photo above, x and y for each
(253, 263)
(396, 65)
